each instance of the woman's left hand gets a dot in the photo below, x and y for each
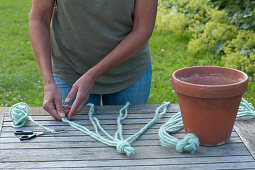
(81, 88)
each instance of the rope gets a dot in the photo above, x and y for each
(20, 114)
(245, 109)
(190, 142)
(122, 145)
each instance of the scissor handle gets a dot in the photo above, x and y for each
(21, 132)
(27, 137)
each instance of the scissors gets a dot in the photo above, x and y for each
(27, 135)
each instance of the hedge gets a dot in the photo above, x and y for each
(213, 27)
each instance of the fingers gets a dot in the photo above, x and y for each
(77, 105)
(66, 109)
(59, 107)
(74, 107)
(51, 109)
(71, 94)
(80, 107)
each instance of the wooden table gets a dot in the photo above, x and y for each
(77, 150)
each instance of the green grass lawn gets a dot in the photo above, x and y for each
(20, 79)
(169, 53)
(19, 75)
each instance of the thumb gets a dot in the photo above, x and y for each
(71, 94)
(60, 108)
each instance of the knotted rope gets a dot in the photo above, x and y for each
(20, 114)
(122, 145)
(190, 142)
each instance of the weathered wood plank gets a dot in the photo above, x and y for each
(85, 122)
(88, 143)
(230, 166)
(47, 139)
(69, 128)
(139, 109)
(99, 116)
(145, 119)
(4, 111)
(127, 128)
(77, 150)
(66, 144)
(1, 124)
(133, 127)
(127, 163)
(64, 140)
(142, 152)
(74, 132)
(84, 137)
(78, 133)
(246, 130)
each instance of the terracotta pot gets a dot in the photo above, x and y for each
(209, 97)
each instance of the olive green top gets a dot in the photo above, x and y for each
(83, 32)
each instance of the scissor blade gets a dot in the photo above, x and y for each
(21, 132)
(42, 133)
(61, 131)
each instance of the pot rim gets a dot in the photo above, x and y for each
(200, 85)
(210, 91)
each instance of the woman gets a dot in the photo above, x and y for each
(92, 50)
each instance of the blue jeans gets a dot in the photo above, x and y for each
(138, 93)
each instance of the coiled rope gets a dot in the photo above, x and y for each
(20, 114)
(190, 142)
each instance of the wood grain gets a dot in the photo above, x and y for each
(1, 124)
(77, 150)
(246, 130)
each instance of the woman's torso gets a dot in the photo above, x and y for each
(85, 31)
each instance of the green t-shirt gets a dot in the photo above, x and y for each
(83, 32)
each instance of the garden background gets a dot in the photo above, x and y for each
(187, 33)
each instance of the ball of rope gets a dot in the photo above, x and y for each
(19, 113)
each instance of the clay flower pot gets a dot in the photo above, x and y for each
(209, 97)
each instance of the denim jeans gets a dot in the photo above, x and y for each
(138, 93)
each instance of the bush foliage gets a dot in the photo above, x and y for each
(221, 27)
(241, 12)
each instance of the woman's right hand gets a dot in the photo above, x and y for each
(39, 28)
(53, 102)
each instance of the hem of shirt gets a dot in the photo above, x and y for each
(115, 89)
(118, 89)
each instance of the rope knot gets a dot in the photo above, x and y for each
(124, 147)
(19, 114)
(190, 143)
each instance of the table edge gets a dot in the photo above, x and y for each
(244, 140)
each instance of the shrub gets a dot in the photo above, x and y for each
(213, 38)
(173, 21)
(241, 13)
(215, 28)
(240, 52)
